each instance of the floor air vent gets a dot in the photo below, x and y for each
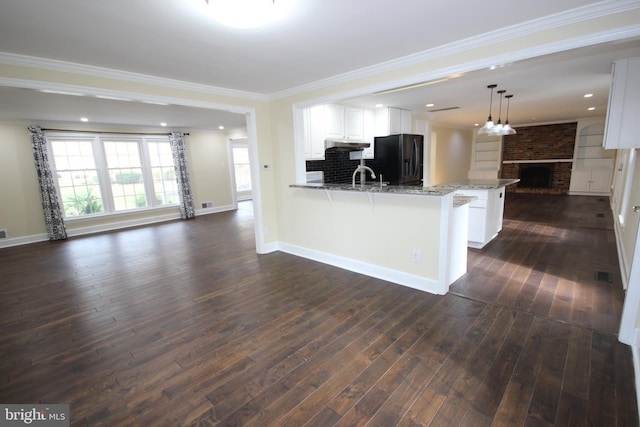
(599, 215)
(603, 276)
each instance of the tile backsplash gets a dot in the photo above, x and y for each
(337, 166)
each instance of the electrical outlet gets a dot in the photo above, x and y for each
(417, 255)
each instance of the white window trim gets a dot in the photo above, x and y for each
(97, 142)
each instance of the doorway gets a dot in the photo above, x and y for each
(240, 169)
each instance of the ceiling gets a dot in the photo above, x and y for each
(176, 39)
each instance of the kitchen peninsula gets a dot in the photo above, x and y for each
(410, 235)
(485, 213)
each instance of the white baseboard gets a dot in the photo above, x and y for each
(92, 229)
(25, 240)
(390, 275)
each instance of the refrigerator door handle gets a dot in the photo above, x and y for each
(416, 163)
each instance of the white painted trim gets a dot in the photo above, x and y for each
(132, 96)
(390, 275)
(446, 205)
(81, 231)
(216, 209)
(24, 240)
(635, 351)
(108, 73)
(627, 332)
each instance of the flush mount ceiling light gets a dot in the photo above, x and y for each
(247, 13)
(491, 128)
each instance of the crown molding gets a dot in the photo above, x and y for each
(108, 73)
(88, 91)
(579, 14)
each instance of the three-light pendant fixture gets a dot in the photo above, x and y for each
(491, 128)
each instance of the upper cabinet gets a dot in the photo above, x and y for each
(391, 121)
(344, 122)
(338, 122)
(623, 126)
(314, 133)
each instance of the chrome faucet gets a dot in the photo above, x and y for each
(363, 170)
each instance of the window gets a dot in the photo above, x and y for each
(97, 174)
(242, 168)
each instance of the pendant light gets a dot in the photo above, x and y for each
(497, 130)
(507, 129)
(488, 126)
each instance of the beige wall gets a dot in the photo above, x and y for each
(453, 154)
(20, 206)
(209, 168)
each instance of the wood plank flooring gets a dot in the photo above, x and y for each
(183, 324)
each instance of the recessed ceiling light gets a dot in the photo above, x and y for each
(477, 124)
(163, 124)
(221, 127)
(591, 108)
(588, 95)
(84, 119)
(430, 105)
(379, 105)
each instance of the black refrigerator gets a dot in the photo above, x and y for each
(399, 158)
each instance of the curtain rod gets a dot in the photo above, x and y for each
(116, 133)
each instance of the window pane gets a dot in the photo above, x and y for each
(77, 177)
(241, 167)
(164, 176)
(125, 172)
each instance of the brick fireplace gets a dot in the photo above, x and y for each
(541, 157)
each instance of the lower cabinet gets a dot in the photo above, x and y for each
(485, 215)
(590, 181)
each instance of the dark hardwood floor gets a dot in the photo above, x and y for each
(182, 323)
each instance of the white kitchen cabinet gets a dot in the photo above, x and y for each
(314, 129)
(369, 122)
(591, 181)
(391, 121)
(622, 126)
(338, 122)
(485, 214)
(344, 122)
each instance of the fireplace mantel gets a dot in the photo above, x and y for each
(538, 161)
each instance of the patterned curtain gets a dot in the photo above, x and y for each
(176, 139)
(50, 204)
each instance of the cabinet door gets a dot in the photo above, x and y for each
(316, 133)
(354, 124)
(601, 181)
(334, 121)
(580, 180)
(622, 126)
(369, 125)
(406, 121)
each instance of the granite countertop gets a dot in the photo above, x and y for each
(462, 200)
(477, 184)
(377, 188)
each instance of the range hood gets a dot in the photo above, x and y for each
(345, 144)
